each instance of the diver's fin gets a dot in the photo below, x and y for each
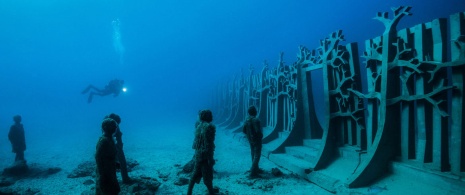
(89, 100)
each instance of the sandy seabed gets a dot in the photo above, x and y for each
(158, 153)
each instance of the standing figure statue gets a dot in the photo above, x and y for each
(105, 157)
(204, 146)
(253, 130)
(114, 87)
(119, 148)
(17, 138)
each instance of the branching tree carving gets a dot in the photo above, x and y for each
(340, 78)
(460, 44)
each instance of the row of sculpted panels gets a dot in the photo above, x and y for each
(399, 98)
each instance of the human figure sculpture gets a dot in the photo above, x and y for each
(119, 148)
(17, 138)
(204, 147)
(253, 130)
(105, 158)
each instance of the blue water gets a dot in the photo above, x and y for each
(171, 53)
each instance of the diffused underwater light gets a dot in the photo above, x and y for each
(124, 89)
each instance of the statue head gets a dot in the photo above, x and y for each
(17, 119)
(252, 111)
(114, 117)
(109, 126)
(206, 115)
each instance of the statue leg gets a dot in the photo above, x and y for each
(256, 158)
(207, 173)
(252, 152)
(195, 177)
(191, 187)
(258, 154)
(19, 156)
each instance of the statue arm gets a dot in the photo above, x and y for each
(196, 139)
(211, 143)
(10, 134)
(259, 129)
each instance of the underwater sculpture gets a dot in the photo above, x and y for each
(106, 181)
(410, 108)
(18, 144)
(17, 138)
(113, 87)
(254, 133)
(204, 146)
(119, 148)
(189, 167)
(117, 44)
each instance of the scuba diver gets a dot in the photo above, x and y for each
(113, 87)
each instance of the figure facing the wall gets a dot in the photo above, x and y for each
(254, 133)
